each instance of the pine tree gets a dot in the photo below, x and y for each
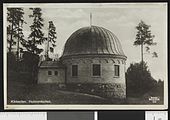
(14, 29)
(144, 38)
(14, 35)
(37, 36)
(11, 32)
(51, 38)
(19, 28)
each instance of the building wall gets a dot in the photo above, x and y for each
(43, 76)
(118, 84)
(85, 70)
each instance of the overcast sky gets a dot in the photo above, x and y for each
(121, 19)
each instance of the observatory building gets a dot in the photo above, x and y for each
(92, 60)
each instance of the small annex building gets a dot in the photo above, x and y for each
(93, 60)
(51, 72)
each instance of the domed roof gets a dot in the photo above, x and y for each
(92, 40)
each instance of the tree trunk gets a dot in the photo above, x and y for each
(47, 55)
(34, 44)
(140, 82)
(33, 50)
(142, 53)
(10, 43)
(18, 44)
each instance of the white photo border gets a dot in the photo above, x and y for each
(68, 106)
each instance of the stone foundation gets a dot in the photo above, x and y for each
(111, 90)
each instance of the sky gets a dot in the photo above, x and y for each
(121, 19)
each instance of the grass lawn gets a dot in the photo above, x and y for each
(18, 91)
(21, 90)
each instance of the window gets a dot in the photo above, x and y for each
(56, 73)
(49, 72)
(74, 70)
(96, 70)
(117, 70)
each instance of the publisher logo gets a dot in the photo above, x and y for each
(154, 99)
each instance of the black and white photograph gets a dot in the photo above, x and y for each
(85, 56)
(156, 115)
(23, 115)
(85, 115)
(132, 115)
(72, 115)
(48, 115)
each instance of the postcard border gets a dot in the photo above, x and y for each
(68, 106)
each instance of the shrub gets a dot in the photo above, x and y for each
(139, 79)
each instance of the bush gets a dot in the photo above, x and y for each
(139, 79)
(29, 64)
(11, 61)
